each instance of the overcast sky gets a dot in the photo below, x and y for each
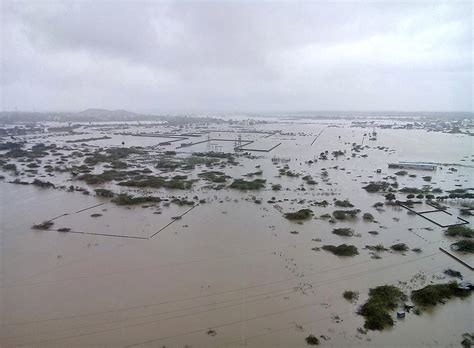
(237, 56)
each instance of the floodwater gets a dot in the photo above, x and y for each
(229, 273)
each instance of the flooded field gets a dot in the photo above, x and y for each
(158, 235)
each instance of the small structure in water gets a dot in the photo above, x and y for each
(276, 159)
(413, 165)
(186, 144)
(465, 285)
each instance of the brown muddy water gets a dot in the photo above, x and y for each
(230, 272)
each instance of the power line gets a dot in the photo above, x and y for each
(316, 284)
(223, 325)
(215, 293)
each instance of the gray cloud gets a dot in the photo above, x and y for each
(237, 56)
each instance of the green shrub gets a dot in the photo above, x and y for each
(312, 340)
(309, 180)
(368, 217)
(46, 225)
(345, 232)
(430, 295)
(301, 214)
(342, 250)
(376, 310)
(376, 186)
(10, 166)
(464, 245)
(350, 295)
(378, 247)
(106, 176)
(214, 176)
(460, 231)
(343, 214)
(276, 187)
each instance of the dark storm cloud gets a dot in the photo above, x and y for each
(248, 56)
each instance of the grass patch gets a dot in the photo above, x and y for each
(401, 173)
(323, 203)
(276, 187)
(241, 184)
(343, 204)
(46, 225)
(182, 201)
(377, 248)
(214, 176)
(399, 247)
(309, 180)
(106, 176)
(158, 182)
(10, 166)
(41, 183)
(111, 155)
(167, 161)
(125, 199)
(343, 214)
(287, 172)
(413, 190)
(37, 151)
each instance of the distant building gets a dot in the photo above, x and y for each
(413, 165)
